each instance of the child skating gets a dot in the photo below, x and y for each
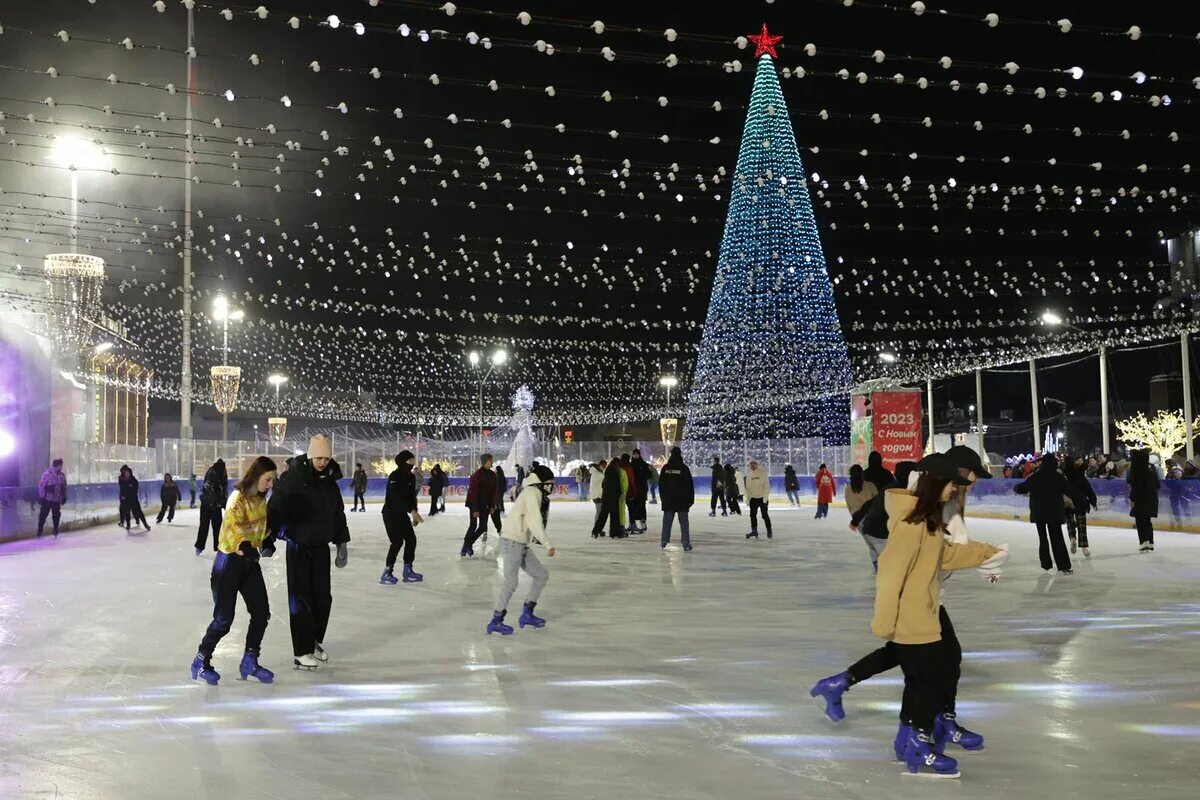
(526, 527)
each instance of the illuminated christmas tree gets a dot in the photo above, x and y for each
(773, 361)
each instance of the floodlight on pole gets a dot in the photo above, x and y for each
(1051, 318)
(473, 357)
(887, 358)
(499, 357)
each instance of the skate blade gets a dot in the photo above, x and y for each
(819, 702)
(932, 775)
(303, 668)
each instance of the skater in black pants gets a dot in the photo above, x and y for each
(131, 502)
(1077, 513)
(610, 503)
(481, 504)
(1143, 497)
(718, 488)
(400, 517)
(307, 510)
(213, 496)
(236, 571)
(168, 495)
(501, 490)
(1046, 489)
(678, 495)
(52, 493)
(359, 482)
(642, 475)
(733, 489)
(437, 482)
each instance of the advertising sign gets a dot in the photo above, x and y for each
(896, 426)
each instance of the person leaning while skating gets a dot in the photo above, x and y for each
(526, 527)
(236, 571)
(400, 518)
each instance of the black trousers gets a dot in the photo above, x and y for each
(925, 681)
(610, 514)
(888, 657)
(124, 514)
(209, 517)
(168, 510)
(734, 507)
(1145, 529)
(310, 598)
(231, 576)
(757, 503)
(360, 499)
(1077, 526)
(434, 500)
(477, 526)
(718, 493)
(54, 511)
(193, 500)
(133, 512)
(1050, 540)
(637, 506)
(402, 536)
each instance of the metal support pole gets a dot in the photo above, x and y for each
(979, 409)
(1187, 394)
(74, 210)
(1033, 394)
(185, 384)
(1104, 398)
(929, 391)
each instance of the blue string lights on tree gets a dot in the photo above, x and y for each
(773, 361)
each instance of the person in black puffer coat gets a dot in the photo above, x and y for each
(877, 474)
(1143, 497)
(306, 509)
(718, 488)
(642, 474)
(131, 501)
(1046, 489)
(1077, 514)
(678, 493)
(400, 517)
(610, 503)
(213, 496)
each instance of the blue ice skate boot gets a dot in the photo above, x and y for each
(466, 552)
(752, 535)
(900, 745)
(251, 668)
(497, 624)
(202, 670)
(410, 576)
(387, 578)
(922, 758)
(946, 730)
(528, 618)
(829, 691)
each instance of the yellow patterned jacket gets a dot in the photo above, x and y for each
(245, 521)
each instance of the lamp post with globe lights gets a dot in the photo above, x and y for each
(496, 359)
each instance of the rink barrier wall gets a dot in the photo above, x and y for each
(97, 503)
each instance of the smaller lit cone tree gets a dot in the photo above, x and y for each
(1165, 433)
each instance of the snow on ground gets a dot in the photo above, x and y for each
(659, 676)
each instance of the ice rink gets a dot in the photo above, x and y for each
(659, 675)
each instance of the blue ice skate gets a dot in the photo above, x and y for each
(946, 730)
(528, 618)
(202, 670)
(497, 624)
(251, 668)
(829, 691)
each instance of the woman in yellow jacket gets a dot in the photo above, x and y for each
(236, 570)
(907, 598)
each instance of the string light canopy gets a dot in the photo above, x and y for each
(557, 188)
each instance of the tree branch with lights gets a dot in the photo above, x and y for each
(1165, 433)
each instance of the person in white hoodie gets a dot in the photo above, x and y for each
(758, 489)
(526, 526)
(596, 491)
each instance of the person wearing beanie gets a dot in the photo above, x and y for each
(1046, 489)
(359, 482)
(400, 517)
(482, 502)
(306, 509)
(526, 527)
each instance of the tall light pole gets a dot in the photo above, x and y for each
(223, 313)
(497, 359)
(75, 154)
(185, 378)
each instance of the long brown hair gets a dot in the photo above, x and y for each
(249, 482)
(928, 510)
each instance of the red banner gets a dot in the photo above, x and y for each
(896, 426)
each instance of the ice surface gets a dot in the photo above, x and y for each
(659, 676)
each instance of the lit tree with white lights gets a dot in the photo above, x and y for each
(1165, 433)
(773, 361)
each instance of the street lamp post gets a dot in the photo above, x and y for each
(75, 154)
(497, 359)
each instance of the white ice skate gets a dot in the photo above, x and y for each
(319, 653)
(306, 662)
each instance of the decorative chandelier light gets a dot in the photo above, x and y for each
(225, 382)
(75, 281)
(669, 428)
(277, 427)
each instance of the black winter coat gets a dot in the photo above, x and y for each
(641, 473)
(306, 507)
(791, 483)
(215, 493)
(676, 489)
(360, 480)
(1143, 493)
(169, 494)
(610, 487)
(718, 476)
(401, 497)
(1046, 488)
(1079, 480)
(128, 490)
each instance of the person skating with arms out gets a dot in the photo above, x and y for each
(526, 527)
(400, 518)
(236, 571)
(306, 509)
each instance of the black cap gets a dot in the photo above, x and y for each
(939, 465)
(966, 458)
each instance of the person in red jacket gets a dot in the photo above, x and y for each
(826, 489)
(631, 495)
(482, 499)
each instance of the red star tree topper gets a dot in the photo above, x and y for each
(764, 43)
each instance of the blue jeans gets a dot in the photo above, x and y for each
(668, 519)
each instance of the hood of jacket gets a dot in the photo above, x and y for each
(303, 462)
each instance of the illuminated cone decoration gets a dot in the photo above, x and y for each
(772, 361)
(75, 281)
(225, 383)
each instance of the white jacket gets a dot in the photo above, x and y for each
(524, 523)
(596, 484)
(758, 484)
